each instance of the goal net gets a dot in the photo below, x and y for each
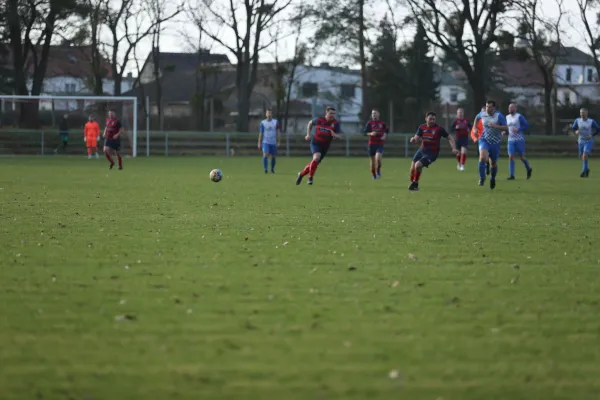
(36, 124)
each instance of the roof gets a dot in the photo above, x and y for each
(519, 73)
(181, 62)
(574, 56)
(72, 61)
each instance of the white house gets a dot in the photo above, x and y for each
(452, 88)
(326, 85)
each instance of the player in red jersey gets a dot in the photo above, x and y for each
(326, 128)
(429, 135)
(377, 132)
(461, 127)
(112, 139)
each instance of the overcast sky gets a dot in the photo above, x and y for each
(174, 38)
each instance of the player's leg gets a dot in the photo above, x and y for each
(585, 149)
(418, 155)
(494, 153)
(265, 157)
(417, 168)
(89, 152)
(525, 161)
(107, 153)
(458, 157)
(463, 154)
(511, 160)
(378, 158)
(95, 150)
(273, 152)
(315, 149)
(117, 151)
(372, 165)
(483, 160)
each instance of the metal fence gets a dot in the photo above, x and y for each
(182, 143)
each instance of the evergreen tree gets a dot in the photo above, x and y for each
(421, 85)
(386, 74)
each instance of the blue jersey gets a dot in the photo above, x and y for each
(516, 125)
(269, 130)
(588, 128)
(491, 135)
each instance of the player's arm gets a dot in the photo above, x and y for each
(595, 128)
(120, 130)
(261, 129)
(386, 131)
(418, 136)
(309, 127)
(575, 128)
(450, 138)
(523, 124)
(367, 129)
(336, 132)
(502, 124)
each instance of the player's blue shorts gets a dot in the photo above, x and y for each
(586, 147)
(316, 147)
(492, 149)
(269, 148)
(374, 149)
(462, 142)
(113, 144)
(426, 158)
(516, 147)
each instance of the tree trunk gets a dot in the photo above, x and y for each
(288, 96)
(363, 61)
(118, 79)
(243, 106)
(96, 57)
(548, 106)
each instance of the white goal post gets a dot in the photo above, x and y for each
(82, 103)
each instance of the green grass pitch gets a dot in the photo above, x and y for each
(155, 283)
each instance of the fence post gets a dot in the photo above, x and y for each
(406, 141)
(287, 144)
(347, 145)
(166, 144)
(227, 145)
(42, 142)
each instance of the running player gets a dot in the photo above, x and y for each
(516, 141)
(91, 135)
(429, 135)
(269, 139)
(493, 123)
(476, 132)
(326, 128)
(461, 127)
(377, 132)
(585, 128)
(112, 139)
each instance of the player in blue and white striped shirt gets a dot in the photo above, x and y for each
(269, 139)
(585, 128)
(516, 141)
(493, 123)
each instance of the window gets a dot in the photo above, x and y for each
(69, 87)
(590, 75)
(310, 89)
(568, 74)
(454, 96)
(566, 98)
(347, 90)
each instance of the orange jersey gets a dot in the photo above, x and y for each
(91, 132)
(477, 130)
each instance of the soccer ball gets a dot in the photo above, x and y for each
(216, 175)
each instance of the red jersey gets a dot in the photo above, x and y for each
(380, 128)
(462, 127)
(113, 126)
(431, 135)
(323, 130)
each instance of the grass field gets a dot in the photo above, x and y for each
(155, 283)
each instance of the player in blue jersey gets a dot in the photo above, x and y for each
(269, 139)
(493, 123)
(516, 141)
(586, 129)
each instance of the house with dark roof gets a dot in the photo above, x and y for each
(452, 85)
(178, 63)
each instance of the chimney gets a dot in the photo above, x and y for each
(130, 75)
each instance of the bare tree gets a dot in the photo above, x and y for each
(129, 25)
(31, 25)
(588, 11)
(543, 36)
(247, 20)
(464, 30)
